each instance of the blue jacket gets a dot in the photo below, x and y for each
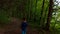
(24, 25)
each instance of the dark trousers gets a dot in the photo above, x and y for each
(24, 31)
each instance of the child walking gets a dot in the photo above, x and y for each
(24, 26)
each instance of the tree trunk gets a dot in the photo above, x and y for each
(49, 16)
(42, 13)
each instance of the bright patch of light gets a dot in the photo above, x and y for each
(58, 2)
(55, 3)
(58, 19)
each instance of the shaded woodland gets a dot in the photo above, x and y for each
(43, 16)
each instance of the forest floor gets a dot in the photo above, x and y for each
(14, 28)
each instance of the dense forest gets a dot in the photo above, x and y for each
(44, 15)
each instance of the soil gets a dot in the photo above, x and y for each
(14, 28)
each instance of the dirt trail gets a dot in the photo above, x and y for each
(14, 28)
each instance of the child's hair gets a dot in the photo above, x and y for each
(24, 18)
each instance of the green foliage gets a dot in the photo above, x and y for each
(32, 11)
(4, 17)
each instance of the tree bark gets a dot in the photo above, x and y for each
(49, 16)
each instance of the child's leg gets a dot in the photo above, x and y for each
(25, 31)
(22, 31)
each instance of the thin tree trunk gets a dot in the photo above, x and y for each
(49, 16)
(42, 13)
(35, 10)
(31, 9)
